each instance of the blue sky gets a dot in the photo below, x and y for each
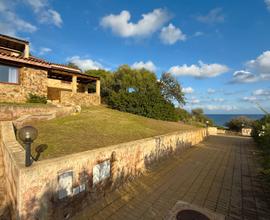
(219, 51)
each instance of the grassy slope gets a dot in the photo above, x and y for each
(97, 127)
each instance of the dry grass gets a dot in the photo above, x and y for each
(98, 127)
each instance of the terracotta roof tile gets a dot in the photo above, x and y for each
(65, 67)
(36, 61)
(21, 59)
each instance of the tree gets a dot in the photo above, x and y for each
(197, 111)
(105, 81)
(183, 114)
(73, 65)
(237, 123)
(171, 89)
(137, 91)
(199, 116)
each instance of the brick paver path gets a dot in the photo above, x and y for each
(220, 174)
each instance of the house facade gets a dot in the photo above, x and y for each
(22, 74)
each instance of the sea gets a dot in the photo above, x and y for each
(220, 119)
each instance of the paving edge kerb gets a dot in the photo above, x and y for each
(38, 186)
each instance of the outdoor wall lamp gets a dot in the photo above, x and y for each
(27, 135)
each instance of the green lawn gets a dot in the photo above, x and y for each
(97, 127)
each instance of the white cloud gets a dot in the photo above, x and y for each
(44, 50)
(188, 90)
(242, 76)
(211, 91)
(149, 65)
(10, 23)
(267, 2)
(220, 107)
(259, 95)
(218, 99)
(198, 34)
(194, 101)
(214, 16)
(200, 71)
(85, 64)
(171, 34)
(250, 98)
(261, 64)
(45, 13)
(149, 23)
(261, 92)
(256, 70)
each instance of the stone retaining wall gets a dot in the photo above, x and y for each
(83, 99)
(22, 115)
(55, 188)
(13, 157)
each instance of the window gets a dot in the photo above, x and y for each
(9, 74)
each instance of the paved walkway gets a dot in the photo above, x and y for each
(220, 174)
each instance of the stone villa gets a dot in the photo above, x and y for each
(21, 74)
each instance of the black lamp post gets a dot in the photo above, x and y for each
(207, 124)
(27, 135)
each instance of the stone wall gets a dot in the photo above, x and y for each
(85, 176)
(13, 160)
(83, 99)
(221, 131)
(212, 130)
(246, 132)
(10, 112)
(31, 80)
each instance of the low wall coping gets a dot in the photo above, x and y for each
(11, 144)
(18, 153)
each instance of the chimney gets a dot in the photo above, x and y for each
(26, 51)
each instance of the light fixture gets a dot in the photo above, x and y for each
(27, 135)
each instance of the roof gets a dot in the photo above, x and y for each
(20, 59)
(65, 67)
(14, 39)
(35, 61)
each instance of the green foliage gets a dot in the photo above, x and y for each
(137, 92)
(73, 65)
(171, 89)
(236, 124)
(105, 81)
(34, 98)
(261, 135)
(199, 116)
(183, 115)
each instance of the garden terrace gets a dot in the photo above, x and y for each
(97, 127)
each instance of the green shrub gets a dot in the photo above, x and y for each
(199, 116)
(183, 115)
(237, 123)
(34, 98)
(261, 135)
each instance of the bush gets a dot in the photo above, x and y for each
(199, 116)
(183, 114)
(151, 106)
(34, 98)
(261, 135)
(236, 124)
(138, 92)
